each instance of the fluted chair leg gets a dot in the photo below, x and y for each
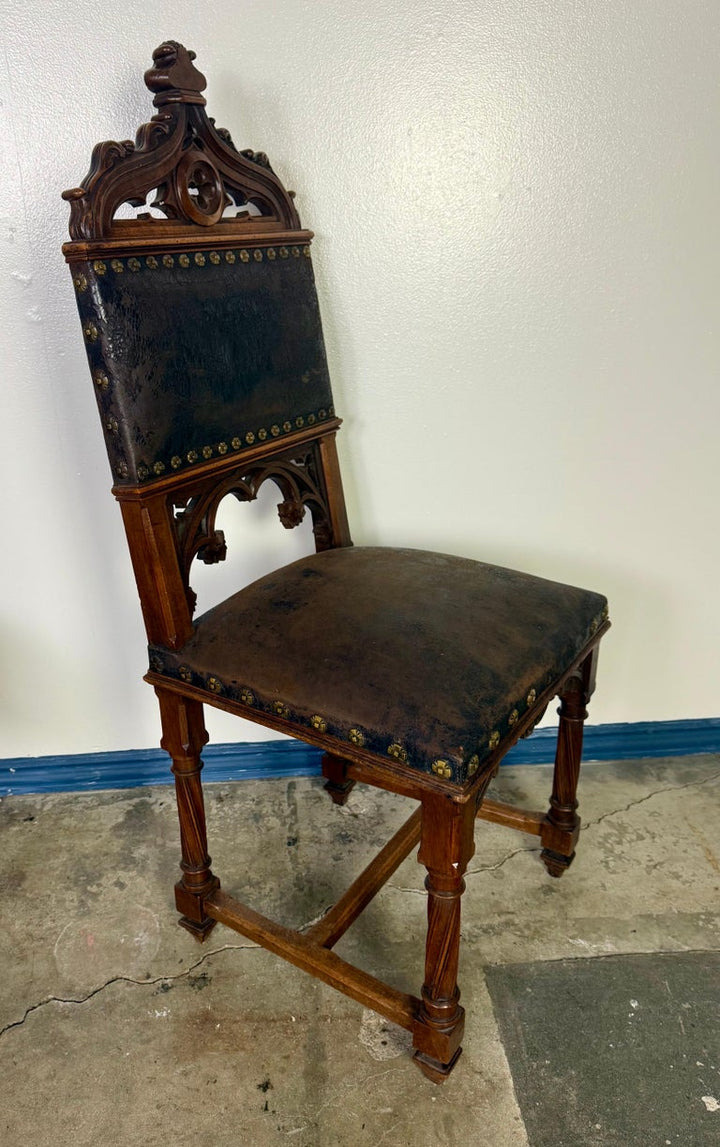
(183, 738)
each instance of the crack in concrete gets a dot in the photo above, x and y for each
(124, 980)
(648, 796)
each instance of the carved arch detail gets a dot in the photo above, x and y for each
(194, 166)
(298, 478)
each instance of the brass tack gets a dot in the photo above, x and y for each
(311, 419)
(122, 469)
(168, 261)
(494, 739)
(111, 425)
(512, 719)
(222, 448)
(100, 379)
(249, 437)
(159, 467)
(118, 266)
(247, 696)
(257, 255)
(441, 769)
(90, 331)
(185, 673)
(99, 267)
(151, 262)
(176, 461)
(295, 252)
(142, 472)
(356, 737)
(287, 426)
(306, 252)
(214, 257)
(281, 709)
(271, 252)
(262, 434)
(531, 698)
(284, 252)
(184, 260)
(473, 764)
(236, 443)
(322, 414)
(319, 723)
(245, 256)
(192, 455)
(80, 283)
(134, 264)
(397, 751)
(274, 430)
(207, 451)
(299, 421)
(229, 256)
(214, 685)
(199, 259)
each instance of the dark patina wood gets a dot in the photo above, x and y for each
(170, 520)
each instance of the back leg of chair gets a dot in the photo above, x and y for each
(183, 738)
(561, 829)
(337, 782)
(446, 847)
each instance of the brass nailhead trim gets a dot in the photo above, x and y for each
(441, 769)
(99, 267)
(247, 696)
(100, 379)
(281, 709)
(397, 751)
(473, 764)
(494, 739)
(151, 262)
(199, 259)
(90, 331)
(185, 673)
(214, 685)
(117, 265)
(168, 261)
(512, 719)
(134, 264)
(356, 737)
(531, 698)
(80, 283)
(319, 723)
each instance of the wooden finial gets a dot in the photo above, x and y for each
(173, 77)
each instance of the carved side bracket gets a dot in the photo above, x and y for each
(194, 166)
(298, 477)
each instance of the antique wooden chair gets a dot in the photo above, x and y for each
(413, 671)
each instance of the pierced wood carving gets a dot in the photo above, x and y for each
(194, 167)
(298, 476)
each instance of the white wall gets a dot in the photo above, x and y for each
(516, 206)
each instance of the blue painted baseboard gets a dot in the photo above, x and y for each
(87, 772)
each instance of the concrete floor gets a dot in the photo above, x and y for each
(116, 1027)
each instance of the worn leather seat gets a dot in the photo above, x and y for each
(429, 658)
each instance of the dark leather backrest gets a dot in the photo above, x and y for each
(201, 353)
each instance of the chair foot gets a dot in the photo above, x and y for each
(339, 793)
(338, 784)
(201, 930)
(435, 1071)
(555, 862)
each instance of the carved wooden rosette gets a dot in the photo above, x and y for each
(194, 167)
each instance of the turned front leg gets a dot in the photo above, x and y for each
(183, 738)
(445, 849)
(561, 829)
